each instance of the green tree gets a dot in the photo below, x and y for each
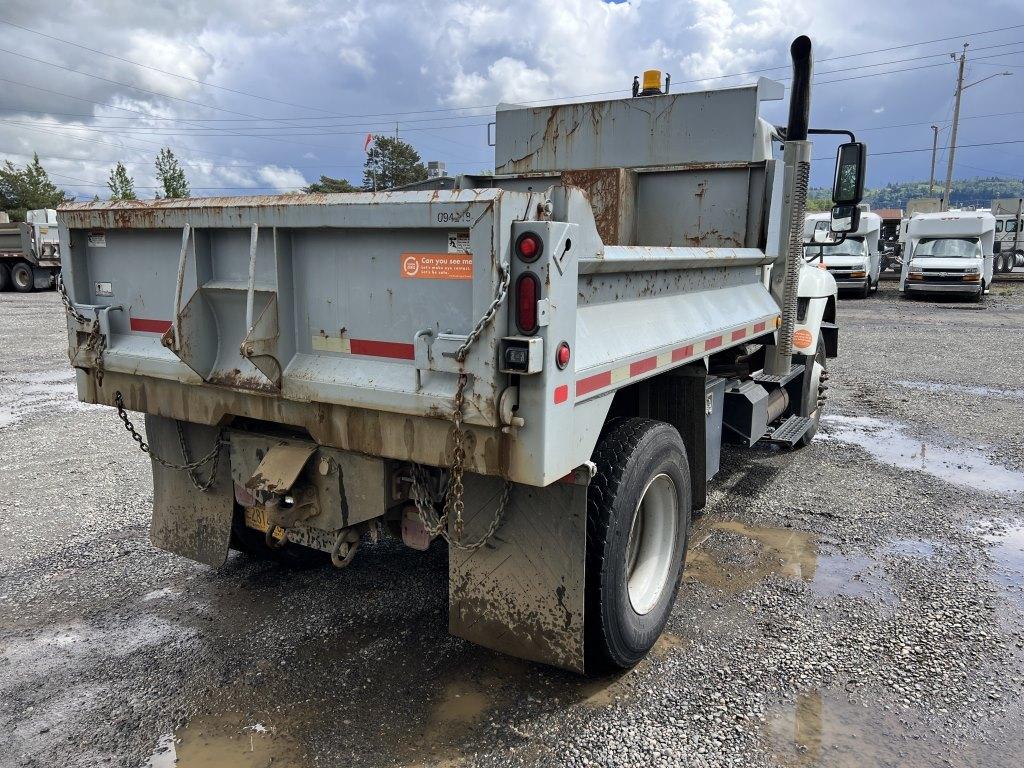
(328, 184)
(122, 186)
(170, 175)
(28, 188)
(391, 163)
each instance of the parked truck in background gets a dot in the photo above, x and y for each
(889, 238)
(855, 263)
(29, 252)
(949, 252)
(540, 371)
(1009, 215)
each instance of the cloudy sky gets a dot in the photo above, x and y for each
(266, 96)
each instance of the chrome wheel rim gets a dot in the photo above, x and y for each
(651, 543)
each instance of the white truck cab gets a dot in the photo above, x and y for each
(949, 252)
(855, 263)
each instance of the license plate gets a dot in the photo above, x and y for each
(303, 535)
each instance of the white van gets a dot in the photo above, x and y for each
(856, 262)
(949, 252)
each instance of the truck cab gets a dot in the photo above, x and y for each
(949, 252)
(855, 263)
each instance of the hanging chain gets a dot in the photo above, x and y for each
(453, 506)
(95, 342)
(190, 465)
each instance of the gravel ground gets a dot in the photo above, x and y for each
(856, 603)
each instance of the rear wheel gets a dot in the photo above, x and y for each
(21, 277)
(638, 522)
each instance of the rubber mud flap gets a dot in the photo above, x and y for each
(523, 592)
(186, 521)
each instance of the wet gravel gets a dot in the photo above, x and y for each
(848, 604)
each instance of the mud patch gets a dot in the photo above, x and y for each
(889, 444)
(228, 741)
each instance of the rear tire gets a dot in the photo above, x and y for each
(638, 522)
(22, 278)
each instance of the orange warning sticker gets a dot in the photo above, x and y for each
(437, 266)
(802, 338)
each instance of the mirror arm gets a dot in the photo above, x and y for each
(832, 132)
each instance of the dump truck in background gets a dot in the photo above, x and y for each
(540, 371)
(856, 262)
(29, 252)
(949, 252)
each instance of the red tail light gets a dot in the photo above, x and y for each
(529, 247)
(527, 293)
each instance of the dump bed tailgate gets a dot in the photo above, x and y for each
(348, 299)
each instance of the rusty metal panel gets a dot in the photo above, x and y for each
(280, 467)
(612, 196)
(674, 129)
(187, 521)
(523, 593)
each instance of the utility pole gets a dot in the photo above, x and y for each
(956, 125)
(935, 148)
(960, 88)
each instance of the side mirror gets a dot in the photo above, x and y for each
(848, 185)
(845, 219)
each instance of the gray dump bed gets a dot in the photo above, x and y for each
(340, 314)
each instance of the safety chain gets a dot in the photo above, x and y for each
(96, 341)
(453, 505)
(189, 466)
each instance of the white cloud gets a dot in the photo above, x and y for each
(282, 179)
(370, 59)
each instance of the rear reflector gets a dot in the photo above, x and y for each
(527, 293)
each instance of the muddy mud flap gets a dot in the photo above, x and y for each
(522, 593)
(186, 521)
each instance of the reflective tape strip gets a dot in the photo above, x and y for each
(344, 345)
(667, 358)
(149, 326)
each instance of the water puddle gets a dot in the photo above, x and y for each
(889, 444)
(824, 728)
(733, 557)
(821, 729)
(223, 742)
(919, 548)
(1006, 548)
(936, 387)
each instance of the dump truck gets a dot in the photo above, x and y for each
(855, 263)
(537, 374)
(949, 252)
(29, 252)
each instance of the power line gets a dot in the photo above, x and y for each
(490, 106)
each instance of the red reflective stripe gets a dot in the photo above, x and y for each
(589, 384)
(758, 327)
(561, 393)
(392, 349)
(739, 334)
(712, 343)
(643, 366)
(149, 326)
(682, 353)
